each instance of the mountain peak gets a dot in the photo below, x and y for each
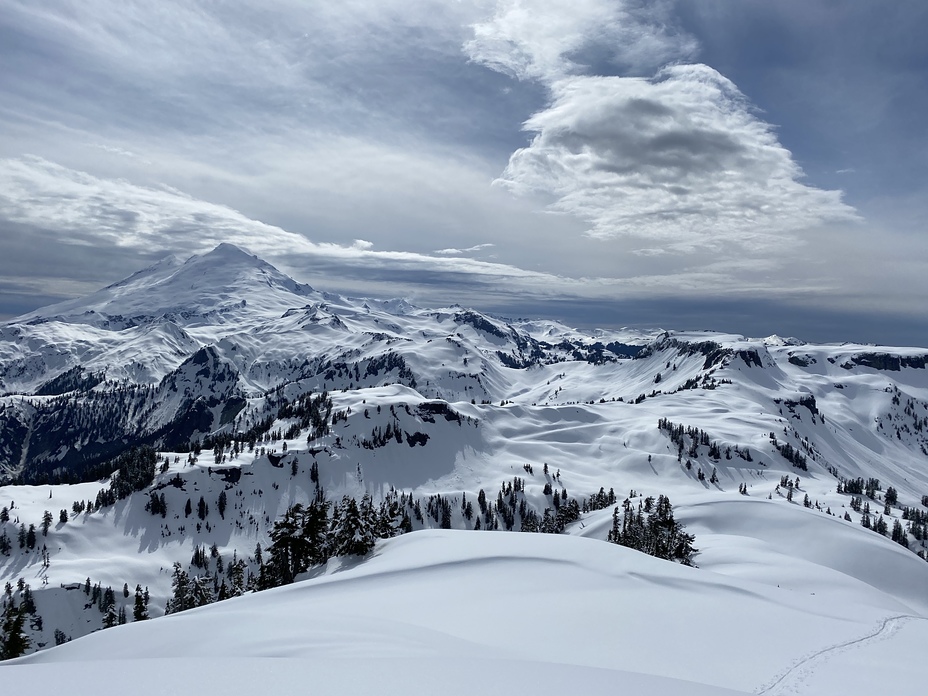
(226, 251)
(225, 279)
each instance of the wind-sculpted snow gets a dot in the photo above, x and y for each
(261, 394)
(520, 606)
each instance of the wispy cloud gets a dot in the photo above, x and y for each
(84, 212)
(468, 250)
(75, 232)
(88, 211)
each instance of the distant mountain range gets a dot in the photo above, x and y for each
(181, 415)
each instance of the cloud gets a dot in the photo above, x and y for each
(679, 157)
(74, 216)
(84, 211)
(186, 66)
(468, 250)
(76, 211)
(69, 232)
(89, 210)
(545, 39)
(347, 142)
(345, 120)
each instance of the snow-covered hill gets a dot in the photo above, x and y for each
(259, 392)
(463, 611)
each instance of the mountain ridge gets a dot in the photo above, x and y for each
(451, 418)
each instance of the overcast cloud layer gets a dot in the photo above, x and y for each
(594, 157)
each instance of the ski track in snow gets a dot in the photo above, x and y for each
(792, 680)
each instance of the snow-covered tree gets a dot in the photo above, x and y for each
(353, 533)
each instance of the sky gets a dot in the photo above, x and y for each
(735, 165)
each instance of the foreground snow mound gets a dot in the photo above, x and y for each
(534, 613)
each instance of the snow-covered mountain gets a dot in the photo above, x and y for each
(801, 470)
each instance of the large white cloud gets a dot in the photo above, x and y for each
(679, 159)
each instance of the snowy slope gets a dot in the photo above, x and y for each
(486, 607)
(449, 402)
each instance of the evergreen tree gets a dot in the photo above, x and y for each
(13, 638)
(299, 540)
(880, 526)
(236, 574)
(482, 502)
(657, 535)
(199, 591)
(391, 520)
(47, 520)
(28, 602)
(548, 524)
(107, 600)
(892, 496)
(180, 582)
(351, 535)
(110, 617)
(368, 514)
(899, 535)
(406, 523)
(139, 610)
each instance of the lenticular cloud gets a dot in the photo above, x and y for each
(679, 157)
